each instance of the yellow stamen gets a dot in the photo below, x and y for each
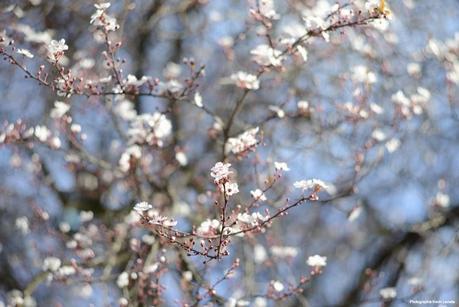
(382, 4)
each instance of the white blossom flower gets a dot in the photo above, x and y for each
(284, 251)
(388, 293)
(260, 302)
(75, 128)
(220, 172)
(59, 109)
(303, 106)
(172, 70)
(51, 264)
(64, 227)
(413, 69)
(142, 207)
(100, 9)
(378, 135)
(149, 128)
(243, 142)
(281, 166)
(86, 216)
(55, 142)
(245, 80)
(277, 285)
(371, 5)
(361, 74)
(253, 219)
(314, 184)
(125, 109)
(157, 219)
(42, 133)
(17, 298)
(102, 19)
(264, 8)
(198, 100)
(400, 98)
(258, 195)
(148, 239)
(392, 145)
(25, 53)
(317, 24)
(303, 52)
(355, 213)
(292, 31)
(123, 280)
(172, 86)
(187, 275)
(133, 81)
(66, 270)
(230, 188)
(376, 108)
(317, 261)
(259, 253)
(266, 56)
(208, 227)
(415, 281)
(442, 200)
(277, 110)
(181, 158)
(56, 49)
(102, 6)
(123, 302)
(22, 223)
(132, 152)
(148, 269)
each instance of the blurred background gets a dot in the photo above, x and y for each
(374, 111)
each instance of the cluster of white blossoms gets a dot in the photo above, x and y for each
(60, 108)
(229, 188)
(442, 200)
(149, 129)
(254, 219)
(317, 261)
(315, 185)
(51, 264)
(221, 174)
(56, 50)
(281, 166)
(142, 207)
(446, 52)
(243, 142)
(245, 80)
(388, 293)
(132, 80)
(22, 224)
(170, 87)
(25, 53)
(44, 135)
(146, 210)
(413, 105)
(39, 132)
(258, 195)
(284, 251)
(264, 55)
(124, 108)
(132, 153)
(265, 8)
(208, 227)
(277, 285)
(361, 74)
(102, 19)
(18, 298)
